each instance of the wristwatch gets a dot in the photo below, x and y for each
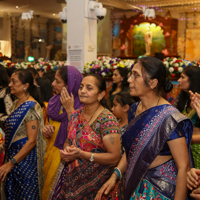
(13, 161)
(92, 158)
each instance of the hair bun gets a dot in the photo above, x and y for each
(168, 86)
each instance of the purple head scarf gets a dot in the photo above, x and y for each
(74, 78)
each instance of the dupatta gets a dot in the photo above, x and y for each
(74, 78)
(146, 135)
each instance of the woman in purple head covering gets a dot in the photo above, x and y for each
(60, 107)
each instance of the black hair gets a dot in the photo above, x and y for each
(124, 98)
(46, 90)
(25, 76)
(193, 73)
(153, 68)
(124, 73)
(63, 71)
(50, 75)
(4, 78)
(10, 71)
(40, 69)
(33, 71)
(101, 84)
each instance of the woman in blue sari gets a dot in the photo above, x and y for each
(157, 140)
(22, 170)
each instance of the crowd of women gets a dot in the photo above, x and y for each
(60, 138)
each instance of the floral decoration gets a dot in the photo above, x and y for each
(105, 66)
(41, 63)
(165, 52)
(175, 66)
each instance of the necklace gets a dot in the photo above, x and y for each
(22, 102)
(94, 113)
(140, 104)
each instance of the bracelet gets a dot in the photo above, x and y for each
(118, 172)
(13, 161)
(91, 158)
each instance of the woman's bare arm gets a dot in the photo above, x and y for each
(179, 151)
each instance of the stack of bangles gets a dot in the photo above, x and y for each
(117, 172)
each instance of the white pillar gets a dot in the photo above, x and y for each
(81, 33)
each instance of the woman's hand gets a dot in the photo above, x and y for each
(5, 169)
(48, 131)
(195, 101)
(107, 187)
(67, 101)
(70, 153)
(193, 178)
(196, 194)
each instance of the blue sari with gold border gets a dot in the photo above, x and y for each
(145, 137)
(24, 180)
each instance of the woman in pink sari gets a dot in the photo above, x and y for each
(92, 148)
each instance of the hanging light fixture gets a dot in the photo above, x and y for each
(27, 15)
(168, 14)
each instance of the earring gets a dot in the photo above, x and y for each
(25, 89)
(122, 79)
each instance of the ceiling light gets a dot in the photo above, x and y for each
(54, 14)
(17, 6)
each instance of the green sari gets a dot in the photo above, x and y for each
(192, 115)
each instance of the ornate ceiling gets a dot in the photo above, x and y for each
(172, 5)
(47, 8)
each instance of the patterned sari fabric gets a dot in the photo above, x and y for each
(52, 160)
(122, 130)
(195, 147)
(2, 154)
(145, 137)
(25, 180)
(82, 179)
(45, 115)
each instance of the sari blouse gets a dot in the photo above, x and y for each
(103, 125)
